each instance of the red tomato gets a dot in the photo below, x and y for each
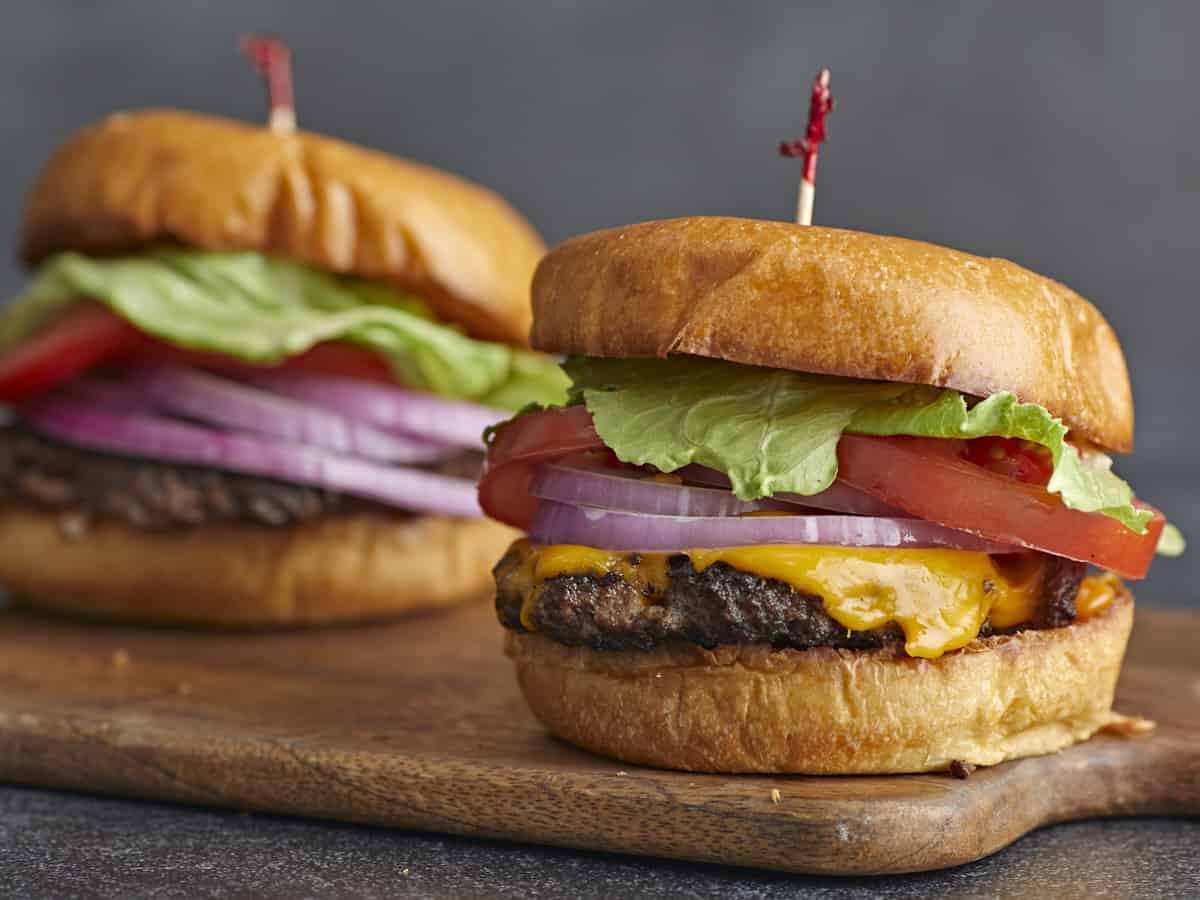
(918, 476)
(88, 335)
(1022, 460)
(334, 358)
(928, 478)
(518, 446)
(84, 336)
(339, 358)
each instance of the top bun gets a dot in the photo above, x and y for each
(163, 176)
(836, 302)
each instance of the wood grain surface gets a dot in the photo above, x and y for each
(419, 725)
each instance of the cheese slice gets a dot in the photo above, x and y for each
(939, 598)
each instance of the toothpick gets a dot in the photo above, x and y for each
(273, 60)
(820, 105)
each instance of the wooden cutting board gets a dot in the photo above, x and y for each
(420, 725)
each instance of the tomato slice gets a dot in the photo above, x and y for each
(919, 477)
(1022, 460)
(340, 358)
(518, 446)
(88, 335)
(84, 336)
(333, 358)
(929, 478)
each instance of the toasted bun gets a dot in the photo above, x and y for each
(748, 708)
(172, 177)
(836, 302)
(338, 569)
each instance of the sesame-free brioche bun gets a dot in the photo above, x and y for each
(164, 176)
(341, 568)
(749, 708)
(836, 302)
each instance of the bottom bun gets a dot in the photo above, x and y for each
(334, 569)
(749, 708)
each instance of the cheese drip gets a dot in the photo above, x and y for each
(939, 598)
(1096, 594)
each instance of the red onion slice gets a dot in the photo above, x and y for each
(561, 523)
(838, 497)
(107, 394)
(408, 412)
(153, 437)
(610, 490)
(219, 401)
(842, 498)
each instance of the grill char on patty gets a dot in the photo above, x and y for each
(721, 605)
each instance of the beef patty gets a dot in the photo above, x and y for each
(84, 484)
(721, 605)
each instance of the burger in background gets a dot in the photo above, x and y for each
(249, 377)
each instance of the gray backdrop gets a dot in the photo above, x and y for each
(1064, 136)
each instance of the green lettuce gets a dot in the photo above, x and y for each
(773, 431)
(263, 310)
(1171, 542)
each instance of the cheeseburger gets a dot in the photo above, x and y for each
(820, 502)
(250, 374)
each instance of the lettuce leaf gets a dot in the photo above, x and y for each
(1171, 542)
(263, 310)
(774, 431)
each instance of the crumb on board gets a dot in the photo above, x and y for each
(622, 773)
(184, 689)
(961, 769)
(775, 795)
(120, 659)
(73, 526)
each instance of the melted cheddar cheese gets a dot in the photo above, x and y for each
(1096, 594)
(939, 598)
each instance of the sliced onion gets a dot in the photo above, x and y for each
(107, 394)
(561, 523)
(838, 497)
(219, 401)
(408, 412)
(135, 434)
(588, 487)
